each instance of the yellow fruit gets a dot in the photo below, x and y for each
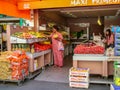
(55, 36)
(117, 81)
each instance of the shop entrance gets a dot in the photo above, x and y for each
(83, 23)
(56, 74)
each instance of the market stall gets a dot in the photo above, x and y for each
(100, 61)
(25, 39)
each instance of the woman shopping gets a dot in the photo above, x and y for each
(57, 46)
(109, 38)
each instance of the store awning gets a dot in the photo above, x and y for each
(21, 8)
(10, 8)
(43, 4)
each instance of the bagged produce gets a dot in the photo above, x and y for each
(19, 65)
(5, 71)
(41, 47)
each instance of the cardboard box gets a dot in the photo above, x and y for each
(79, 71)
(79, 84)
(78, 79)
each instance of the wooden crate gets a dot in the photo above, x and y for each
(79, 71)
(78, 79)
(79, 84)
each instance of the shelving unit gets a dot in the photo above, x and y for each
(15, 40)
(38, 60)
(47, 57)
(9, 19)
(43, 58)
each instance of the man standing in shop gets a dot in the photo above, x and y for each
(57, 46)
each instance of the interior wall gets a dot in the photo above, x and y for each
(112, 20)
(50, 16)
(94, 27)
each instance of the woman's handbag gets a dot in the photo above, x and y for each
(60, 46)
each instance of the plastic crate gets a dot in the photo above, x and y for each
(117, 39)
(117, 45)
(116, 66)
(117, 51)
(114, 87)
(117, 34)
(116, 62)
(116, 29)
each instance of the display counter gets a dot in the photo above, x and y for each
(98, 64)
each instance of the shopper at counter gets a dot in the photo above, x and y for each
(57, 46)
(109, 38)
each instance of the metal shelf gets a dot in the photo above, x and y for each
(9, 19)
(16, 40)
(35, 55)
(91, 57)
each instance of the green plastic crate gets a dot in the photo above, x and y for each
(116, 66)
(117, 63)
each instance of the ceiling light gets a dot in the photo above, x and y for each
(71, 15)
(117, 13)
(82, 24)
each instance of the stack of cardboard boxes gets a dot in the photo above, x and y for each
(79, 77)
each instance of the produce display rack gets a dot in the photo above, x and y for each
(98, 65)
(38, 60)
(34, 74)
(15, 40)
(48, 57)
(43, 58)
(91, 61)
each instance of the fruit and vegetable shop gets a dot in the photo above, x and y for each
(91, 40)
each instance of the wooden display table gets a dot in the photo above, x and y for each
(97, 64)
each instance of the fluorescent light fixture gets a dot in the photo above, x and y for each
(117, 13)
(70, 14)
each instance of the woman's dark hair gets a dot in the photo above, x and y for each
(56, 27)
(109, 32)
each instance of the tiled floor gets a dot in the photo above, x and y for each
(61, 75)
(56, 74)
